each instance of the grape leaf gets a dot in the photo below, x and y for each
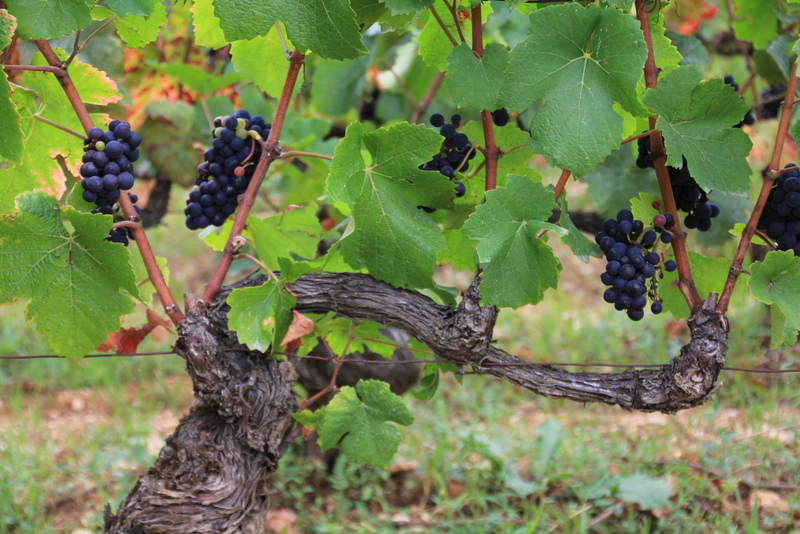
(460, 250)
(139, 31)
(518, 266)
(754, 21)
(260, 315)
(49, 19)
(580, 245)
(338, 85)
(614, 182)
(773, 63)
(434, 45)
(262, 60)
(73, 279)
(196, 78)
(359, 416)
(340, 334)
(776, 281)
(207, 30)
(642, 208)
(600, 54)
(287, 234)
(326, 27)
(390, 236)
(666, 55)
(398, 7)
(709, 274)
(136, 8)
(475, 82)
(697, 120)
(10, 132)
(783, 334)
(690, 48)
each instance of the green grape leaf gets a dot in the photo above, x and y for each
(262, 60)
(326, 27)
(624, 5)
(755, 21)
(207, 30)
(600, 57)
(367, 11)
(434, 45)
(74, 280)
(139, 31)
(338, 85)
(196, 78)
(475, 82)
(518, 266)
(341, 333)
(709, 274)
(773, 63)
(776, 281)
(169, 134)
(309, 419)
(398, 7)
(146, 288)
(49, 19)
(690, 47)
(666, 55)
(359, 417)
(783, 333)
(217, 238)
(738, 230)
(390, 236)
(581, 246)
(293, 233)
(10, 132)
(697, 120)
(460, 250)
(614, 182)
(260, 315)
(428, 384)
(136, 8)
(648, 492)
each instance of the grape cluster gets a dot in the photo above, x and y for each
(225, 174)
(689, 196)
(632, 261)
(781, 215)
(749, 117)
(772, 98)
(107, 170)
(455, 153)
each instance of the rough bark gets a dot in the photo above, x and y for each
(463, 336)
(211, 476)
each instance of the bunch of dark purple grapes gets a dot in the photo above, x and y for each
(455, 153)
(689, 196)
(632, 262)
(225, 174)
(107, 170)
(772, 100)
(749, 117)
(781, 215)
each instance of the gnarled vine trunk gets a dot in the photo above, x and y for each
(212, 474)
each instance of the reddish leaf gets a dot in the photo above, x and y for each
(127, 340)
(301, 326)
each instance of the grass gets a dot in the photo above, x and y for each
(482, 456)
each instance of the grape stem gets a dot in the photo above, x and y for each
(562, 183)
(59, 126)
(490, 151)
(636, 137)
(148, 258)
(35, 68)
(769, 179)
(270, 152)
(422, 107)
(443, 25)
(456, 22)
(300, 154)
(659, 155)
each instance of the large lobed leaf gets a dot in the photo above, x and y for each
(326, 27)
(390, 236)
(260, 315)
(697, 120)
(577, 70)
(776, 281)
(359, 417)
(74, 280)
(518, 265)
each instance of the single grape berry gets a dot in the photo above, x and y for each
(500, 117)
